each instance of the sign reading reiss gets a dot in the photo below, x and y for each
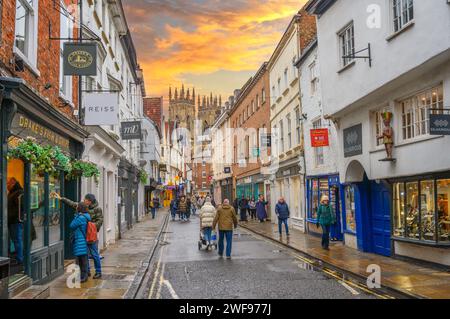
(101, 109)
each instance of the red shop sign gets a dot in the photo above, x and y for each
(319, 137)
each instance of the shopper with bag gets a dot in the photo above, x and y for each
(207, 215)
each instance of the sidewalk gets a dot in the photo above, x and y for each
(398, 275)
(120, 266)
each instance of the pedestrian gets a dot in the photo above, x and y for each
(236, 205)
(326, 218)
(243, 205)
(283, 214)
(15, 213)
(79, 243)
(154, 206)
(213, 202)
(188, 208)
(207, 215)
(200, 202)
(226, 221)
(261, 211)
(182, 208)
(173, 208)
(96, 215)
(252, 208)
(194, 204)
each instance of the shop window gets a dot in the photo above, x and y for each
(412, 210)
(54, 210)
(350, 209)
(427, 210)
(314, 202)
(399, 209)
(37, 192)
(443, 195)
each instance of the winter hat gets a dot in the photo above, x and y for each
(90, 197)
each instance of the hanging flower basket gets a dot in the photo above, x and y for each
(83, 169)
(29, 151)
(143, 176)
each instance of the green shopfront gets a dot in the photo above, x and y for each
(37, 241)
(250, 187)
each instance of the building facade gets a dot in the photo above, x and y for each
(399, 200)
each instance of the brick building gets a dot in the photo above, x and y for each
(250, 118)
(153, 107)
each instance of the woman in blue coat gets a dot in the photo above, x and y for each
(261, 208)
(80, 246)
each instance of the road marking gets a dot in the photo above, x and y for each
(171, 290)
(155, 279)
(161, 282)
(353, 291)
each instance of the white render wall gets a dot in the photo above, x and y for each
(312, 107)
(428, 37)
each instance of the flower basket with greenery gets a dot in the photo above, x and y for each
(143, 176)
(29, 151)
(83, 169)
(61, 160)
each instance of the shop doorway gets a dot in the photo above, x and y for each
(337, 233)
(381, 218)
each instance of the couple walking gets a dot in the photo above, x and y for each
(225, 218)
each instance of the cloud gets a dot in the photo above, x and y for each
(188, 41)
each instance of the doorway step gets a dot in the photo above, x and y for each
(17, 284)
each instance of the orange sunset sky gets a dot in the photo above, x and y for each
(213, 45)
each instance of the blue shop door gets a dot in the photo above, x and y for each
(335, 201)
(381, 218)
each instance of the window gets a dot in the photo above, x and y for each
(286, 78)
(203, 185)
(204, 174)
(25, 41)
(274, 93)
(279, 88)
(257, 102)
(66, 31)
(314, 202)
(253, 106)
(294, 69)
(378, 122)
(313, 77)
(263, 96)
(318, 151)
(443, 207)
(281, 136)
(247, 147)
(203, 163)
(289, 130)
(347, 44)
(297, 126)
(403, 12)
(350, 209)
(415, 116)
(248, 111)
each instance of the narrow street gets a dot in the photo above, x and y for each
(259, 269)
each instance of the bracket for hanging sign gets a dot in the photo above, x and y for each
(70, 39)
(101, 91)
(365, 57)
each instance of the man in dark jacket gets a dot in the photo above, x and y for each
(96, 214)
(283, 214)
(15, 213)
(226, 221)
(243, 206)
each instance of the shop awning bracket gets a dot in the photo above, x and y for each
(365, 57)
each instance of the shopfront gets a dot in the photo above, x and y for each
(35, 227)
(421, 217)
(250, 187)
(226, 190)
(326, 185)
(128, 194)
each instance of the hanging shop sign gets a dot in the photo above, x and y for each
(101, 109)
(227, 170)
(266, 140)
(24, 127)
(439, 124)
(131, 130)
(162, 167)
(80, 59)
(319, 137)
(353, 141)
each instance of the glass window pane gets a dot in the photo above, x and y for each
(399, 209)
(350, 209)
(427, 209)
(314, 198)
(54, 211)
(22, 16)
(412, 209)
(37, 209)
(443, 205)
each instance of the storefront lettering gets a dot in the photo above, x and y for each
(43, 132)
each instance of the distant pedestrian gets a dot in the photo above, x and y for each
(227, 221)
(252, 208)
(200, 202)
(326, 218)
(236, 205)
(261, 211)
(79, 242)
(194, 204)
(173, 208)
(207, 215)
(182, 208)
(154, 206)
(243, 206)
(188, 208)
(283, 214)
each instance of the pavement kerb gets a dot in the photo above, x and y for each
(337, 268)
(137, 282)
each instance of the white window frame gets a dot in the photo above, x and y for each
(313, 77)
(263, 96)
(297, 125)
(289, 130)
(65, 81)
(31, 30)
(281, 136)
(286, 84)
(347, 44)
(319, 157)
(402, 13)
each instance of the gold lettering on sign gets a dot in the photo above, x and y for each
(43, 132)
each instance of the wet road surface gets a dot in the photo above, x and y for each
(259, 269)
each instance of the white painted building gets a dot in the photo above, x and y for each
(285, 110)
(401, 206)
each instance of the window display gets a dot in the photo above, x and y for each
(37, 209)
(443, 193)
(427, 210)
(314, 203)
(54, 211)
(412, 210)
(350, 209)
(399, 209)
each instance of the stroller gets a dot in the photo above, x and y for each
(203, 243)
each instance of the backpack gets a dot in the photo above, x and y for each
(91, 232)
